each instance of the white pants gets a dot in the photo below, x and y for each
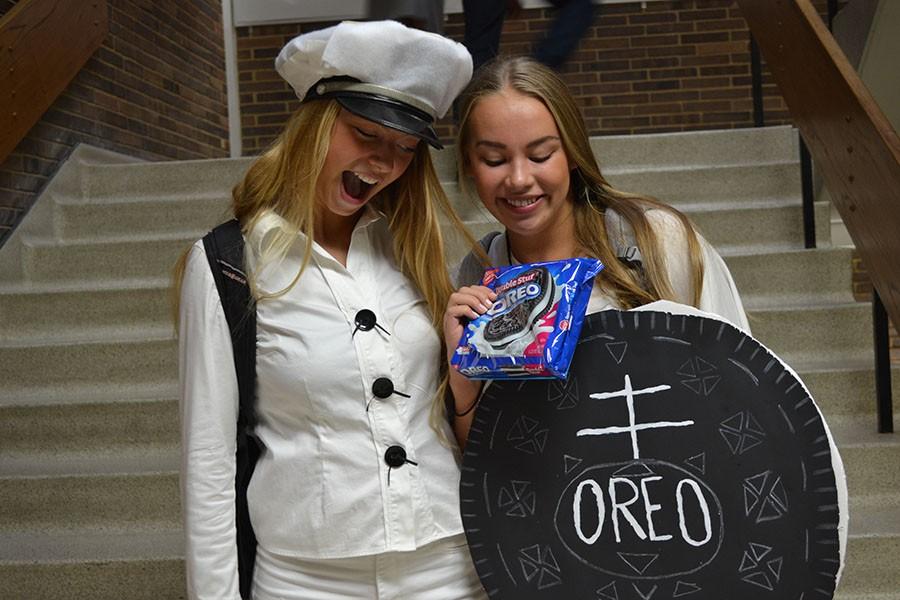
(442, 570)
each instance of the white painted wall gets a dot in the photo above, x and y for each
(235, 143)
(878, 67)
(878, 70)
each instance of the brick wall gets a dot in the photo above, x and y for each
(671, 66)
(155, 90)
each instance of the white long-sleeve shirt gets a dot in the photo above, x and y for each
(322, 488)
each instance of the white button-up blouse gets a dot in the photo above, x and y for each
(322, 487)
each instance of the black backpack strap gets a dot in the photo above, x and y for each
(224, 247)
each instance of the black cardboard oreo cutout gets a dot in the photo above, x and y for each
(679, 460)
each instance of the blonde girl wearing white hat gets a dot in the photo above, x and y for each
(354, 494)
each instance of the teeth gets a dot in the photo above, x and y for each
(520, 203)
(365, 178)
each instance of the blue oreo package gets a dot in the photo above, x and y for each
(532, 328)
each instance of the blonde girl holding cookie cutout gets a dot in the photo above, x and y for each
(523, 147)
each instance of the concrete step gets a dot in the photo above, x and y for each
(62, 313)
(723, 185)
(141, 565)
(751, 146)
(48, 370)
(82, 554)
(847, 392)
(45, 260)
(79, 219)
(769, 225)
(820, 275)
(94, 522)
(79, 426)
(149, 197)
(872, 565)
(100, 262)
(792, 277)
(84, 427)
(168, 179)
(870, 461)
(742, 224)
(60, 309)
(110, 489)
(92, 565)
(615, 153)
(760, 223)
(833, 336)
(66, 263)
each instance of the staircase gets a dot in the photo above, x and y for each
(89, 503)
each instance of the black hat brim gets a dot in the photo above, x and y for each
(390, 113)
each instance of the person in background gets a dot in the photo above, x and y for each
(427, 15)
(484, 24)
(523, 146)
(572, 21)
(355, 495)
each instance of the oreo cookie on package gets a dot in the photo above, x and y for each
(533, 326)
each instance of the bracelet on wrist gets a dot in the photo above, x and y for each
(468, 410)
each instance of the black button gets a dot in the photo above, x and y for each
(365, 319)
(395, 456)
(382, 387)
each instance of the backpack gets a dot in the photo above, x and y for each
(224, 247)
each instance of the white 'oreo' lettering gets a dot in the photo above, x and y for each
(513, 297)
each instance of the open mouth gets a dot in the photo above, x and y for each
(357, 186)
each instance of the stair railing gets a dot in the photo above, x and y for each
(43, 45)
(854, 145)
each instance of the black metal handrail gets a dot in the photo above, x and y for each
(882, 365)
(759, 115)
(806, 173)
(883, 393)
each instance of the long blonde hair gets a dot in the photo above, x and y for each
(283, 180)
(591, 193)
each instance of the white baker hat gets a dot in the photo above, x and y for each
(383, 71)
